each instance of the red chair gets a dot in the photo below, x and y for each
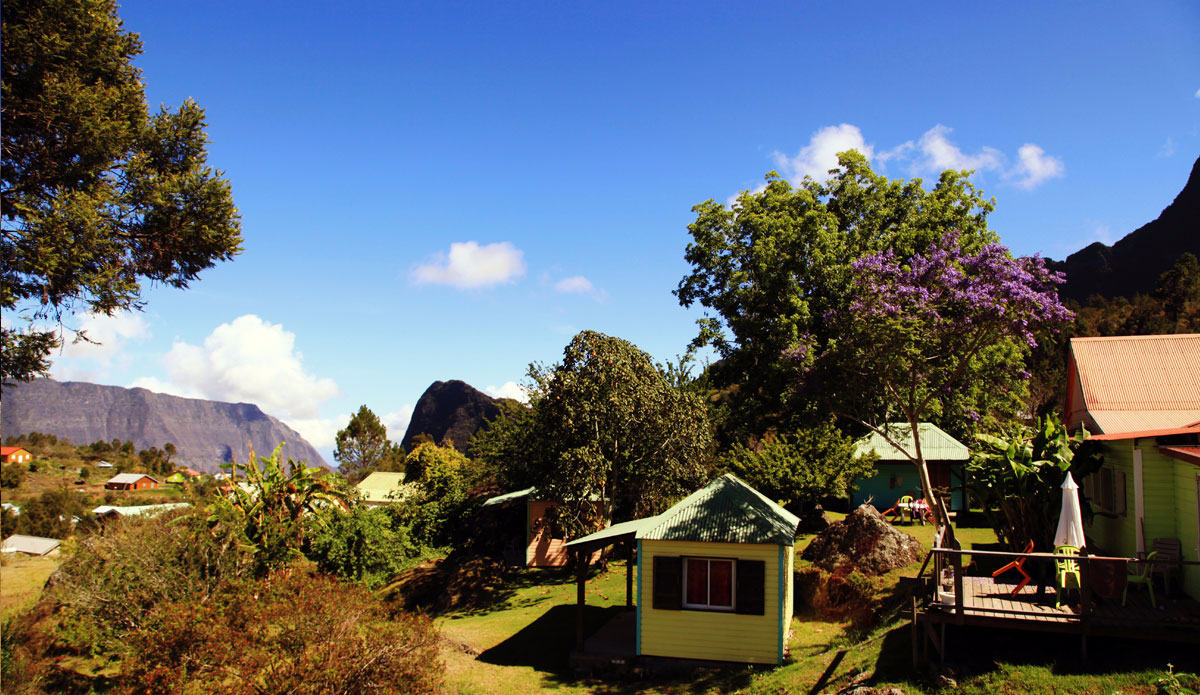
(1018, 565)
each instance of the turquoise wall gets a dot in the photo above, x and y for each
(891, 481)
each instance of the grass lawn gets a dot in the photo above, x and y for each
(21, 581)
(521, 644)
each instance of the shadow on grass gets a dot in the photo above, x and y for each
(974, 652)
(545, 644)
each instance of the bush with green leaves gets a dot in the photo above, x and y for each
(802, 468)
(442, 478)
(12, 475)
(1017, 479)
(268, 512)
(367, 544)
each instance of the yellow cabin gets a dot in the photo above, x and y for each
(714, 575)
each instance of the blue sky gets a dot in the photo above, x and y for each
(434, 191)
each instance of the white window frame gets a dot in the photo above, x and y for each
(687, 562)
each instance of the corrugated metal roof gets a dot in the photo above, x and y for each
(724, 511)
(614, 531)
(381, 487)
(142, 510)
(129, 478)
(30, 545)
(1155, 379)
(1187, 454)
(936, 445)
(1131, 421)
(510, 497)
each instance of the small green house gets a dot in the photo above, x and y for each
(1140, 397)
(895, 475)
(714, 575)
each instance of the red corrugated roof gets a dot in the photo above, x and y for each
(6, 450)
(1139, 382)
(1187, 454)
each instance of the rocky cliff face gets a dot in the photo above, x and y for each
(450, 411)
(205, 433)
(1133, 264)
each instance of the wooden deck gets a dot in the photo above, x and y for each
(986, 599)
(985, 602)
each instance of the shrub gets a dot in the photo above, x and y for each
(111, 583)
(12, 475)
(289, 632)
(368, 544)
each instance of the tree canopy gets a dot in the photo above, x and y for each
(770, 268)
(363, 446)
(604, 429)
(809, 465)
(98, 195)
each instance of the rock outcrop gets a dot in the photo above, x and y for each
(205, 433)
(865, 539)
(450, 411)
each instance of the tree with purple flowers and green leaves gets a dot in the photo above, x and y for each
(879, 300)
(920, 330)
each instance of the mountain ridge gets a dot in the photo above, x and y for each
(205, 433)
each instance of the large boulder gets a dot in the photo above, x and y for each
(865, 539)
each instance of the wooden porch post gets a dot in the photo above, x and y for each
(629, 578)
(582, 559)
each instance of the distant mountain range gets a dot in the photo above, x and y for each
(1132, 265)
(205, 433)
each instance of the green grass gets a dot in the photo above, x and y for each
(521, 644)
(21, 582)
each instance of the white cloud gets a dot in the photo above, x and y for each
(159, 386)
(576, 283)
(941, 154)
(1198, 93)
(108, 333)
(820, 154)
(470, 266)
(397, 421)
(1167, 149)
(1035, 166)
(510, 389)
(320, 432)
(247, 360)
(89, 361)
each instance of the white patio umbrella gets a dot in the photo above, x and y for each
(1070, 520)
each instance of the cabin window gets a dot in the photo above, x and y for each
(708, 583)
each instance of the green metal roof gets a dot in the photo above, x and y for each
(614, 531)
(724, 511)
(510, 497)
(936, 445)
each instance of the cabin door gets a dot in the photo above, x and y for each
(1139, 504)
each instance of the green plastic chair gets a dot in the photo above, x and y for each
(904, 504)
(1145, 577)
(1066, 574)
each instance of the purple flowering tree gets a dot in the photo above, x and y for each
(920, 330)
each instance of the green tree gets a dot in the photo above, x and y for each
(606, 435)
(1179, 287)
(803, 468)
(443, 477)
(97, 194)
(367, 544)
(770, 268)
(363, 446)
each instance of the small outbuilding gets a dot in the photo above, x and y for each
(14, 454)
(381, 487)
(895, 475)
(537, 544)
(30, 545)
(713, 575)
(106, 512)
(131, 481)
(104, 465)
